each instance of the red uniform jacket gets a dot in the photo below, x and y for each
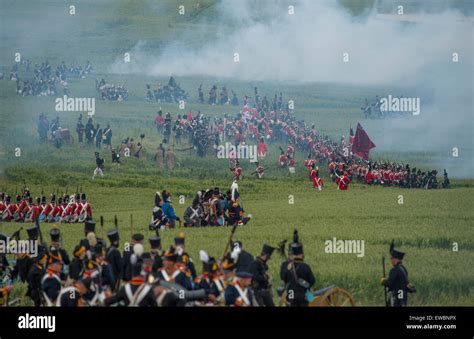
(317, 181)
(282, 159)
(84, 207)
(342, 182)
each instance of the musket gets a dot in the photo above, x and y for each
(16, 234)
(102, 226)
(116, 222)
(384, 287)
(234, 228)
(37, 223)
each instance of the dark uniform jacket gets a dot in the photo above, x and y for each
(21, 268)
(397, 284)
(292, 285)
(51, 285)
(35, 274)
(232, 294)
(76, 269)
(126, 266)
(259, 269)
(114, 258)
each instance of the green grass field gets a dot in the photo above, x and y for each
(426, 225)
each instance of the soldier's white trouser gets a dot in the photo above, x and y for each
(98, 171)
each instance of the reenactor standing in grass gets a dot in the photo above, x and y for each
(80, 128)
(89, 131)
(314, 175)
(397, 282)
(107, 137)
(261, 280)
(297, 275)
(170, 158)
(99, 161)
(160, 156)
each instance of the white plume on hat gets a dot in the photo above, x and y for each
(235, 252)
(138, 250)
(204, 256)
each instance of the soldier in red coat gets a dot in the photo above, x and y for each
(2, 203)
(70, 212)
(308, 163)
(27, 212)
(36, 210)
(369, 177)
(43, 206)
(237, 171)
(57, 211)
(282, 159)
(343, 181)
(290, 151)
(259, 170)
(314, 175)
(291, 166)
(49, 209)
(9, 209)
(84, 210)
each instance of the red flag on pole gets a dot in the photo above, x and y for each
(362, 143)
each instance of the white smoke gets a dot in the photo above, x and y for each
(309, 46)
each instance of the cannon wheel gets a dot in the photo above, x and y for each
(335, 297)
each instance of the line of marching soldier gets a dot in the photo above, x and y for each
(70, 209)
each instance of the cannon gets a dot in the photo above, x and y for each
(331, 296)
